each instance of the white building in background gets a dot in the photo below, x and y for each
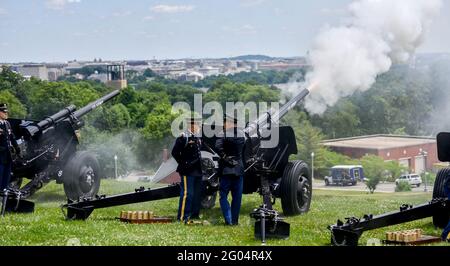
(102, 77)
(36, 70)
(55, 73)
(209, 71)
(192, 76)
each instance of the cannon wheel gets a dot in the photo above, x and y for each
(296, 188)
(82, 176)
(209, 201)
(441, 220)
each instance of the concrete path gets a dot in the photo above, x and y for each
(382, 187)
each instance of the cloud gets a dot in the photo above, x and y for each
(147, 35)
(122, 14)
(171, 9)
(278, 11)
(60, 4)
(248, 27)
(148, 18)
(333, 11)
(244, 29)
(79, 34)
(250, 3)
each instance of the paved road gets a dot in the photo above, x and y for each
(383, 187)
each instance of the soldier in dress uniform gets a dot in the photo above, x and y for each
(8, 146)
(187, 153)
(230, 147)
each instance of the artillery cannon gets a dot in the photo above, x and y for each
(268, 172)
(348, 233)
(49, 152)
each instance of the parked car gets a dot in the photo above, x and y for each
(412, 179)
(345, 175)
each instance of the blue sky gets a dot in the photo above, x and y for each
(61, 30)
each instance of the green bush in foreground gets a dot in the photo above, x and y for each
(403, 186)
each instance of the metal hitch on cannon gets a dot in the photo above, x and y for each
(268, 224)
(346, 234)
(12, 201)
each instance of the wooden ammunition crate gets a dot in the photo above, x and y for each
(142, 217)
(409, 237)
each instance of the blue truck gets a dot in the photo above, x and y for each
(345, 175)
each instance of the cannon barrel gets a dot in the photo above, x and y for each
(61, 115)
(276, 115)
(93, 105)
(33, 129)
(68, 111)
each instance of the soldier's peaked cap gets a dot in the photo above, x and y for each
(3, 107)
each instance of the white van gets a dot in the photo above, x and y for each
(412, 179)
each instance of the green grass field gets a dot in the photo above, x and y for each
(48, 227)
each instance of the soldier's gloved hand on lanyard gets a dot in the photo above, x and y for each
(228, 161)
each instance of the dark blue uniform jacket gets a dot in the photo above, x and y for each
(7, 143)
(231, 147)
(187, 153)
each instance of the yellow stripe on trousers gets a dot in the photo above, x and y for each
(183, 205)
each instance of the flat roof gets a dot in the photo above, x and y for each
(346, 166)
(379, 142)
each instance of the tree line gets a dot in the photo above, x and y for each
(136, 125)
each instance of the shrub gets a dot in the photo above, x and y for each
(372, 183)
(403, 186)
(428, 178)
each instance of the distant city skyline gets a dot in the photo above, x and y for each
(63, 30)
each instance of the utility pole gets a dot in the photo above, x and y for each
(115, 166)
(424, 155)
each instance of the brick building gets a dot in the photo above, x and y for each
(416, 153)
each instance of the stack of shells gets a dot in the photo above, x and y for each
(404, 236)
(136, 215)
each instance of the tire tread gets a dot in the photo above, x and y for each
(441, 220)
(289, 180)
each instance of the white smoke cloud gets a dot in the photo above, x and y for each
(376, 34)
